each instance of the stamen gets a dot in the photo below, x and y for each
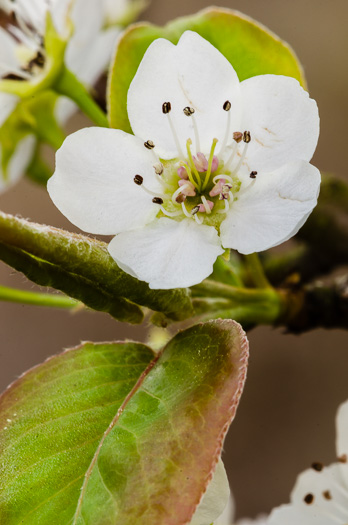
(190, 112)
(253, 174)
(139, 180)
(246, 137)
(210, 163)
(195, 210)
(232, 155)
(170, 213)
(206, 205)
(197, 184)
(226, 208)
(237, 136)
(226, 107)
(149, 144)
(198, 219)
(225, 192)
(157, 200)
(245, 149)
(182, 189)
(159, 168)
(184, 209)
(220, 177)
(166, 109)
(308, 499)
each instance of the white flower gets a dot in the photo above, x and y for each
(225, 165)
(23, 55)
(260, 520)
(215, 500)
(320, 496)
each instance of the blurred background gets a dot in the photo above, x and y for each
(286, 419)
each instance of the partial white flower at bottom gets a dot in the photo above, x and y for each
(215, 164)
(215, 500)
(320, 496)
(260, 520)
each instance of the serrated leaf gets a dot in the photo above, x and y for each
(158, 450)
(52, 420)
(250, 48)
(159, 453)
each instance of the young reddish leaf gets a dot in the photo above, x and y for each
(159, 453)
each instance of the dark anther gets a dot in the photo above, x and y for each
(12, 76)
(343, 458)
(157, 200)
(39, 61)
(180, 198)
(227, 105)
(317, 466)
(253, 174)
(237, 136)
(166, 107)
(138, 179)
(149, 144)
(309, 498)
(188, 111)
(246, 137)
(327, 494)
(195, 210)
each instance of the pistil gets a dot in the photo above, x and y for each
(210, 163)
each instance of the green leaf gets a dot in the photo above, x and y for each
(79, 266)
(52, 420)
(73, 449)
(250, 48)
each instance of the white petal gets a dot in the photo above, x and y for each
(342, 438)
(168, 254)
(8, 58)
(19, 162)
(292, 515)
(8, 103)
(215, 499)
(282, 119)
(193, 73)
(114, 11)
(226, 517)
(272, 208)
(317, 484)
(93, 185)
(89, 60)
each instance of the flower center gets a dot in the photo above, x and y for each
(29, 48)
(197, 185)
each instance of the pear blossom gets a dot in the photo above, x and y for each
(24, 58)
(214, 164)
(320, 495)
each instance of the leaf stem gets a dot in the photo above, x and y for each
(69, 86)
(12, 295)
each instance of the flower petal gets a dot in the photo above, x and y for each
(272, 208)
(215, 499)
(8, 103)
(93, 185)
(193, 73)
(168, 254)
(282, 119)
(19, 162)
(291, 515)
(342, 439)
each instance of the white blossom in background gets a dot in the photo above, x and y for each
(261, 520)
(320, 495)
(215, 500)
(23, 55)
(214, 164)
